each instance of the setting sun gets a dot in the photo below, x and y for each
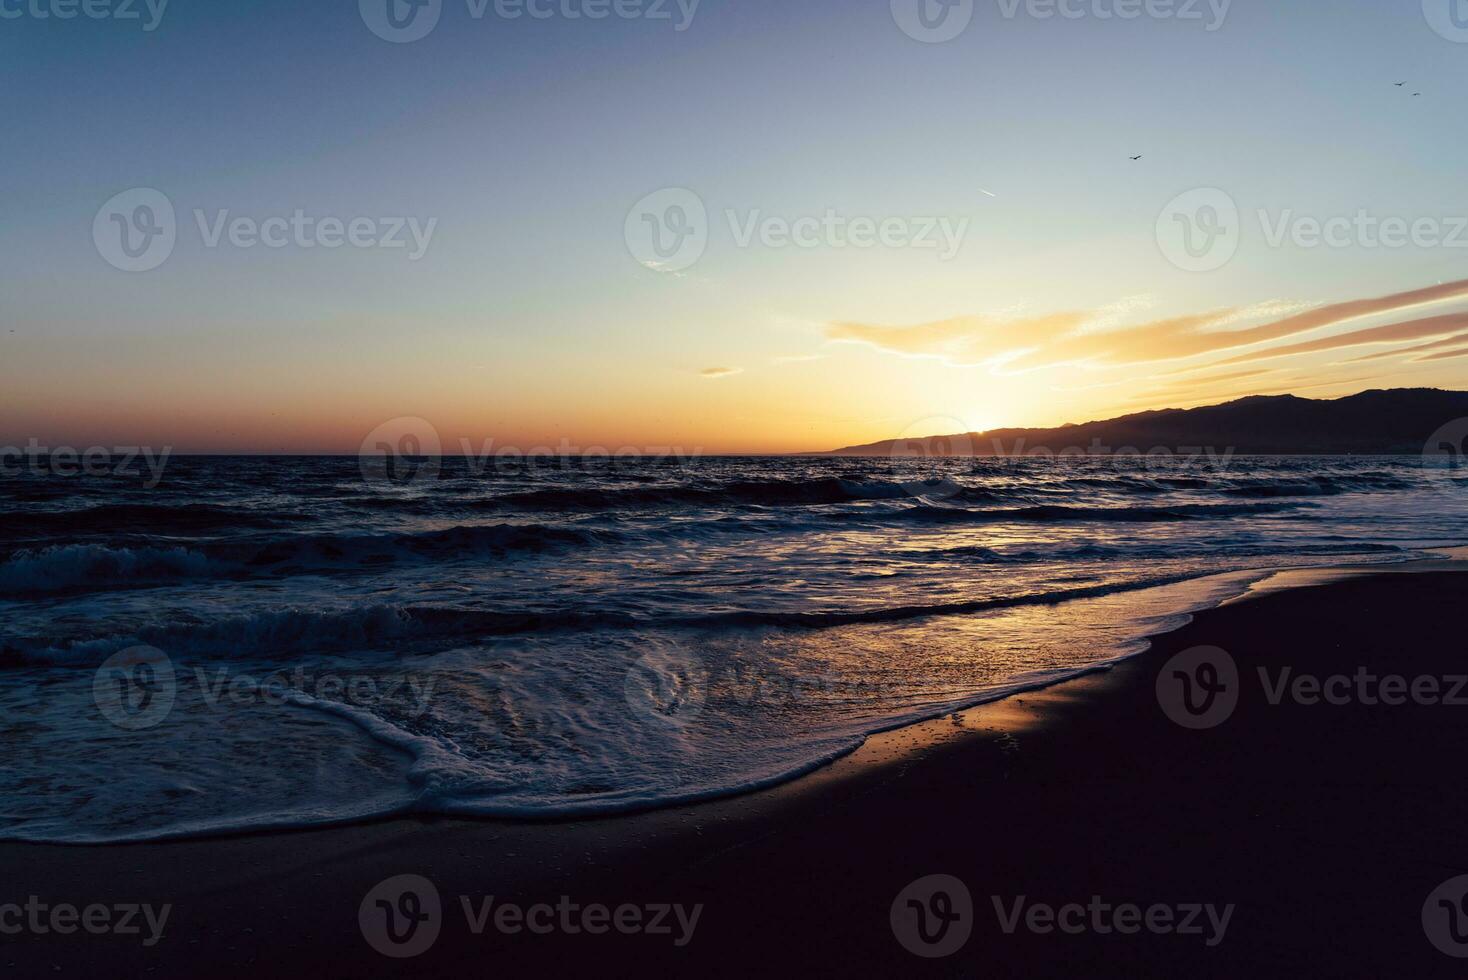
(701, 488)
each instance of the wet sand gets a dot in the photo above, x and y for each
(1324, 826)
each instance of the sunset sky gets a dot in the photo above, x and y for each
(528, 319)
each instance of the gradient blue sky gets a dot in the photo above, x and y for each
(529, 322)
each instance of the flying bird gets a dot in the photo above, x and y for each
(1399, 84)
(1137, 157)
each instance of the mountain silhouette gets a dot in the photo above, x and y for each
(1396, 421)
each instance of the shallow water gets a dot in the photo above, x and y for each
(537, 638)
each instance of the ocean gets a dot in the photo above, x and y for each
(284, 642)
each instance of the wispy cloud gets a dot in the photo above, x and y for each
(1214, 379)
(662, 267)
(1392, 333)
(1056, 339)
(720, 372)
(1445, 355)
(1404, 351)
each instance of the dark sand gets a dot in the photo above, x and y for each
(1326, 826)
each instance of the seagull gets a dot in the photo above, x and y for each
(1137, 157)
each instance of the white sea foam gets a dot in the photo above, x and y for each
(541, 641)
(537, 728)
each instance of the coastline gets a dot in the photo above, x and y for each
(1077, 789)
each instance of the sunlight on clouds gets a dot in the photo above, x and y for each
(1130, 354)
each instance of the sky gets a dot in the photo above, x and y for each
(715, 227)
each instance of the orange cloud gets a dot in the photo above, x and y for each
(1403, 351)
(1392, 333)
(1445, 355)
(1214, 379)
(1061, 338)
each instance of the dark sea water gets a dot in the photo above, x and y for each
(291, 641)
